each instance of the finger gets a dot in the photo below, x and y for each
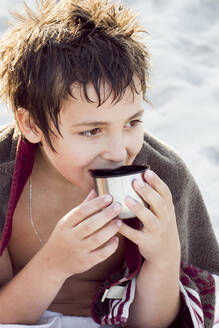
(151, 197)
(145, 215)
(103, 253)
(84, 210)
(103, 235)
(132, 234)
(92, 194)
(100, 219)
(159, 185)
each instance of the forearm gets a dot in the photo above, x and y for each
(157, 299)
(24, 299)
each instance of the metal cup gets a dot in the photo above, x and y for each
(118, 183)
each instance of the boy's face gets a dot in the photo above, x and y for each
(88, 143)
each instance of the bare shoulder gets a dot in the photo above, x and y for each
(6, 269)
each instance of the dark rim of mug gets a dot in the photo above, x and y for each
(119, 171)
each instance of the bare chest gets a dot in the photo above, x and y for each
(75, 296)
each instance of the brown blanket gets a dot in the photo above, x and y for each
(200, 251)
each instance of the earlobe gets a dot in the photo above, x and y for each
(27, 126)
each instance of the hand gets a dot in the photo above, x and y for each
(84, 237)
(158, 241)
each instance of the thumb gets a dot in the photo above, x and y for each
(92, 194)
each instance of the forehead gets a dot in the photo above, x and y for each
(79, 107)
(104, 90)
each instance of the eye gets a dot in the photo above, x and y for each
(89, 133)
(135, 123)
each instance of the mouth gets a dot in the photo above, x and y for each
(119, 171)
(105, 168)
(108, 167)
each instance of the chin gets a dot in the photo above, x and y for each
(88, 184)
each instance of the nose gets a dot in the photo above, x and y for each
(115, 150)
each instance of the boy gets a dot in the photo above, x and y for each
(76, 76)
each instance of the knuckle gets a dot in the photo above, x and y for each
(116, 226)
(81, 211)
(153, 243)
(101, 202)
(141, 241)
(161, 203)
(112, 229)
(96, 239)
(107, 250)
(61, 223)
(166, 191)
(88, 226)
(102, 255)
(108, 212)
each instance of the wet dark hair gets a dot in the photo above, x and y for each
(71, 42)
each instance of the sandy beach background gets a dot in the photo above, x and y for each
(183, 41)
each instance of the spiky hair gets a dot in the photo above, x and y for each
(47, 50)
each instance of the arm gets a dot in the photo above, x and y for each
(157, 297)
(6, 271)
(25, 297)
(197, 294)
(157, 300)
(80, 240)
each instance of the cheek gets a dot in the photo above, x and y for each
(75, 160)
(71, 161)
(73, 168)
(136, 142)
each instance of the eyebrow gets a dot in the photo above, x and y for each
(102, 123)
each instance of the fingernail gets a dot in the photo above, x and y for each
(117, 206)
(118, 223)
(107, 199)
(149, 174)
(140, 183)
(131, 201)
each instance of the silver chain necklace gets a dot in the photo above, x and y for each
(31, 216)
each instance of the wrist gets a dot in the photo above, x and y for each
(164, 267)
(47, 262)
(162, 276)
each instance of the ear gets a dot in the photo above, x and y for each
(27, 126)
